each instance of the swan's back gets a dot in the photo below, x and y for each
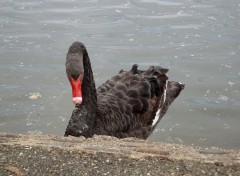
(131, 103)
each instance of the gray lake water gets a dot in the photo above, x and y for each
(198, 40)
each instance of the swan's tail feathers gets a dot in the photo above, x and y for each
(171, 92)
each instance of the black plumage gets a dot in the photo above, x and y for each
(129, 104)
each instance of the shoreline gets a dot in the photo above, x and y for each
(37, 154)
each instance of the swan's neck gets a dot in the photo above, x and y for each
(89, 93)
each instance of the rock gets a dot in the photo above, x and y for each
(37, 154)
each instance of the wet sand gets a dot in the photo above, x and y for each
(36, 154)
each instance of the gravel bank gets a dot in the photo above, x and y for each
(26, 155)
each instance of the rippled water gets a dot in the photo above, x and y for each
(199, 41)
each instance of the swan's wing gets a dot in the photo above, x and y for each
(128, 103)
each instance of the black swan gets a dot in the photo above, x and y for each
(129, 104)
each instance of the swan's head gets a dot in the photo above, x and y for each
(75, 70)
(81, 123)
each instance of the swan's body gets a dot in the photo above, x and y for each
(129, 104)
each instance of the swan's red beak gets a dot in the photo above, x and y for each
(76, 90)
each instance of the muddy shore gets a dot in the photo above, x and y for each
(26, 155)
